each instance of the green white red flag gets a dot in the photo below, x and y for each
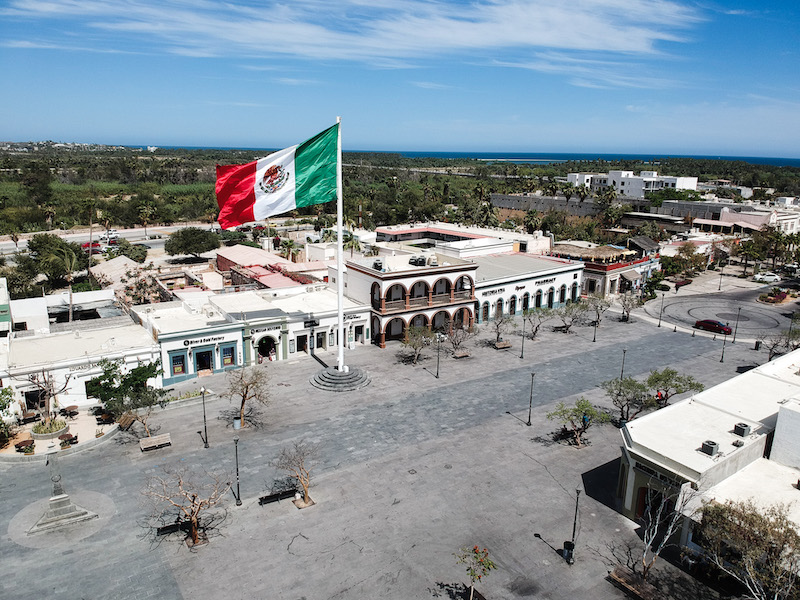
(299, 176)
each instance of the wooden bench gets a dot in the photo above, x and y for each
(460, 354)
(502, 345)
(154, 442)
(277, 497)
(633, 583)
(126, 421)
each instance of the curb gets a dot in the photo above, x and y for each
(18, 457)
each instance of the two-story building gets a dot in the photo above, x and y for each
(424, 289)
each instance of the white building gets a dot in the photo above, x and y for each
(633, 186)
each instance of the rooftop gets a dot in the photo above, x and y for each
(499, 266)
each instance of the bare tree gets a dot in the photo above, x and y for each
(629, 302)
(458, 336)
(181, 493)
(416, 340)
(298, 461)
(536, 317)
(664, 512)
(598, 305)
(570, 314)
(501, 324)
(248, 384)
(778, 343)
(46, 384)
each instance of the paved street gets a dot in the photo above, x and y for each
(413, 467)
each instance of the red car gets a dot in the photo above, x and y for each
(96, 248)
(715, 326)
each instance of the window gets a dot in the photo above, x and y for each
(178, 364)
(227, 356)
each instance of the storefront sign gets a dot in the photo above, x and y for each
(351, 317)
(544, 281)
(260, 329)
(493, 292)
(208, 340)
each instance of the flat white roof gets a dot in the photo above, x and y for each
(322, 301)
(72, 346)
(673, 436)
(763, 481)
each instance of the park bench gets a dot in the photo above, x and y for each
(126, 421)
(460, 354)
(277, 497)
(502, 345)
(178, 525)
(633, 584)
(154, 442)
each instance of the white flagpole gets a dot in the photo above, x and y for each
(340, 247)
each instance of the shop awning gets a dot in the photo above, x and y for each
(631, 275)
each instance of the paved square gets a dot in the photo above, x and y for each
(413, 468)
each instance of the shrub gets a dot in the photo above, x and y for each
(52, 427)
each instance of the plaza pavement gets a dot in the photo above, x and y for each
(413, 467)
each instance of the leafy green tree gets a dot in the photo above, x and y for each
(630, 396)
(36, 182)
(6, 397)
(135, 252)
(44, 245)
(487, 216)
(191, 240)
(666, 383)
(128, 393)
(570, 314)
(757, 546)
(532, 221)
(578, 419)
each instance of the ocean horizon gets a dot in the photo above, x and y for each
(539, 158)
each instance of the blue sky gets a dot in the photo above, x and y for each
(662, 76)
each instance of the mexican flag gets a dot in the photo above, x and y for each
(302, 175)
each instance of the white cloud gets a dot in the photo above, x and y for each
(357, 30)
(430, 85)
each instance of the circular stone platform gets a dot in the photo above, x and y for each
(332, 380)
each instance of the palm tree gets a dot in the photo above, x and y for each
(67, 260)
(582, 191)
(532, 221)
(568, 189)
(351, 243)
(289, 249)
(487, 217)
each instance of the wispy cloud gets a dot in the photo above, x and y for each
(294, 81)
(430, 85)
(384, 32)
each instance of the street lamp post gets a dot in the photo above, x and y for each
(530, 402)
(724, 339)
(569, 547)
(736, 327)
(205, 422)
(594, 336)
(238, 494)
(622, 370)
(721, 269)
(522, 352)
(438, 350)
(661, 312)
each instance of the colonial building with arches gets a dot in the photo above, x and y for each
(508, 284)
(424, 289)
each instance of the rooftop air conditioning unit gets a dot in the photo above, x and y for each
(738, 443)
(377, 265)
(433, 262)
(709, 447)
(741, 429)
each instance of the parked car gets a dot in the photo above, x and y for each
(109, 235)
(712, 325)
(96, 248)
(767, 277)
(791, 268)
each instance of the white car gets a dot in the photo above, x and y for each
(767, 277)
(109, 235)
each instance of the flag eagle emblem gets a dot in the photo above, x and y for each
(274, 179)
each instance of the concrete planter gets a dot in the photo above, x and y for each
(49, 436)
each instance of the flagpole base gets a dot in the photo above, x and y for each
(331, 379)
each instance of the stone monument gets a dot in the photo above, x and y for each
(61, 511)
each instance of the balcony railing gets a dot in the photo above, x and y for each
(423, 302)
